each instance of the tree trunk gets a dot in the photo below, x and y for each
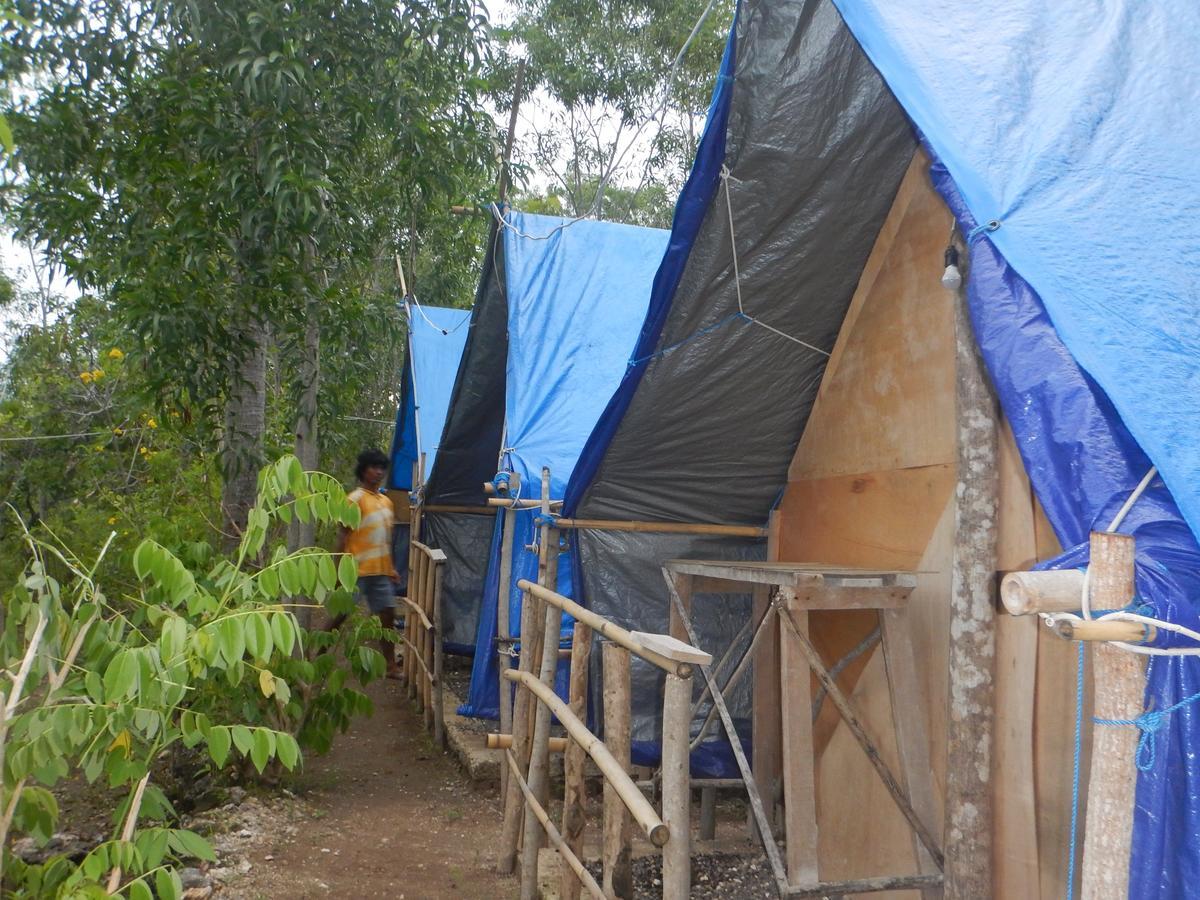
(245, 427)
(302, 534)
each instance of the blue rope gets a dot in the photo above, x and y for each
(1075, 774)
(979, 230)
(703, 331)
(550, 519)
(1149, 723)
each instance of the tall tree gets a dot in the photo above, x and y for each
(628, 83)
(227, 175)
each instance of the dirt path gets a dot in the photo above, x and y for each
(391, 817)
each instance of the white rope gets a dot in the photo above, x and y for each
(1124, 615)
(737, 275)
(420, 309)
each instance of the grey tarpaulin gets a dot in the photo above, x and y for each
(467, 455)
(704, 431)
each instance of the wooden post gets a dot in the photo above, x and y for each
(799, 780)
(504, 631)
(766, 722)
(618, 837)
(971, 695)
(1119, 684)
(676, 787)
(574, 819)
(539, 756)
(439, 710)
(708, 813)
(513, 802)
(427, 643)
(413, 627)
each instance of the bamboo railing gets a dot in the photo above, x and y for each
(422, 636)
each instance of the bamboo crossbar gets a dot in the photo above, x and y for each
(752, 531)
(463, 510)
(552, 833)
(417, 658)
(497, 741)
(420, 612)
(505, 503)
(614, 633)
(635, 801)
(1106, 630)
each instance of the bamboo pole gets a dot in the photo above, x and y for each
(574, 819)
(571, 859)
(539, 757)
(1055, 590)
(504, 630)
(618, 842)
(635, 801)
(676, 791)
(1107, 630)
(753, 531)
(427, 643)
(1119, 679)
(439, 709)
(497, 741)
(527, 503)
(513, 805)
(603, 626)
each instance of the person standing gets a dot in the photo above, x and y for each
(371, 546)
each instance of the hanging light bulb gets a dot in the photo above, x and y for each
(952, 277)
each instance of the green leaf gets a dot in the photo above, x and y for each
(6, 136)
(143, 558)
(282, 692)
(218, 744)
(268, 582)
(139, 891)
(260, 751)
(288, 750)
(232, 637)
(242, 738)
(258, 636)
(168, 884)
(348, 572)
(120, 678)
(191, 845)
(284, 632)
(326, 572)
(289, 577)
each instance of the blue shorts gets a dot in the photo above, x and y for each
(377, 592)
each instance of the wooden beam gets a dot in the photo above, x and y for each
(766, 706)
(618, 844)
(676, 792)
(574, 818)
(971, 695)
(1119, 680)
(799, 780)
(751, 531)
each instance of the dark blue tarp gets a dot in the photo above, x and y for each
(576, 295)
(436, 337)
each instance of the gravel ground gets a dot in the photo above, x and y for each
(715, 876)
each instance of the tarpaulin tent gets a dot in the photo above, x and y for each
(436, 337)
(1061, 141)
(558, 309)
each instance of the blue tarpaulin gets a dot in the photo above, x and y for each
(436, 337)
(576, 297)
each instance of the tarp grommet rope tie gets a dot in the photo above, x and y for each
(980, 230)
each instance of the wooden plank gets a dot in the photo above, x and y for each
(909, 720)
(873, 518)
(799, 791)
(972, 625)
(784, 574)
(1119, 684)
(752, 531)
(890, 384)
(832, 597)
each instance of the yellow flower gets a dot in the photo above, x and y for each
(118, 431)
(115, 353)
(112, 520)
(85, 377)
(150, 423)
(143, 451)
(97, 374)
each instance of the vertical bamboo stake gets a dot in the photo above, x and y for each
(427, 640)
(504, 630)
(618, 847)
(414, 529)
(971, 700)
(1119, 685)
(539, 755)
(574, 819)
(412, 624)
(676, 787)
(514, 802)
(439, 711)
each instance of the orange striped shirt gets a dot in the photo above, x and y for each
(371, 542)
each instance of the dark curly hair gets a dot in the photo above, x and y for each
(368, 458)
